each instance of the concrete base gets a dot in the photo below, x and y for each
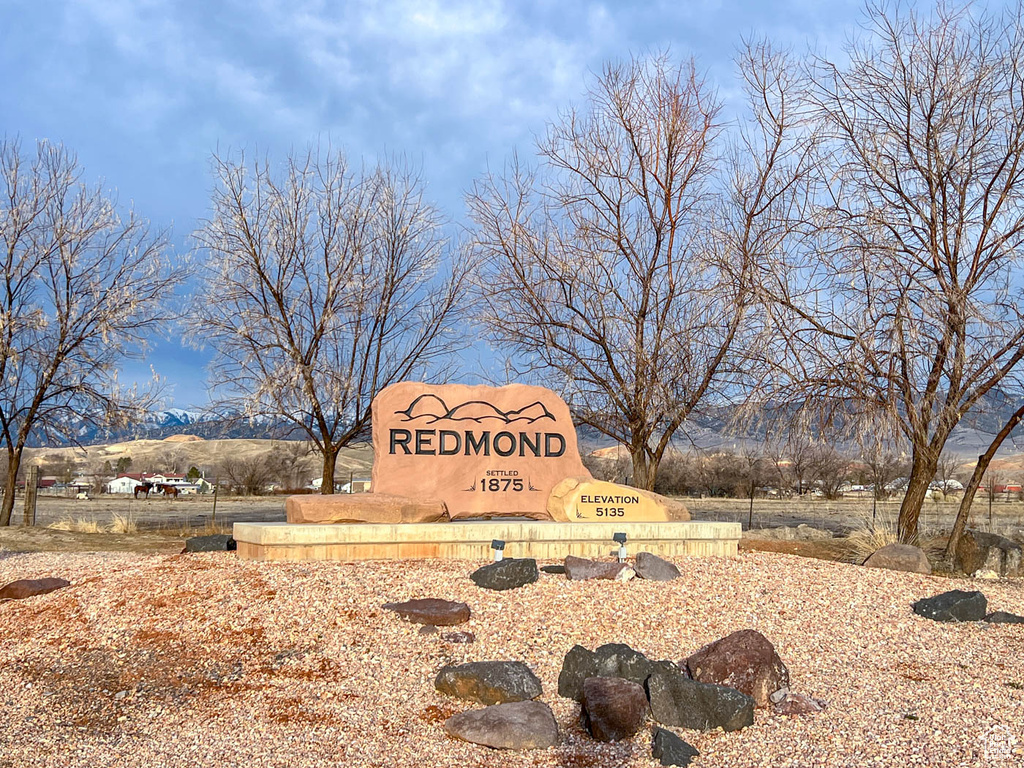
(471, 540)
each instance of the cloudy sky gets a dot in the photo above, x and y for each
(145, 90)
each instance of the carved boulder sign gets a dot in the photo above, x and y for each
(484, 451)
(582, 500)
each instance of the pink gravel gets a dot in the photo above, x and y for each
(205, 660)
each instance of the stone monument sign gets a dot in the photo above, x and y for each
(483, 451)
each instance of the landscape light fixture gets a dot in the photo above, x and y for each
(620, 539)
(499, 549)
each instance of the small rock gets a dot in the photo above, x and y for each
(19, 590)
(669, 749)
(609, 660)
(489, 682)
(653, 568)
(625, 574)
(745, 660)
(899, 557)
(431, 610)
(678, 700)
(612, 708)
(518, 725)
(986, 575)
(581, 569)
(506, 574)
(459, 637)
(955, 605)
(553, 568)
(797, 704)
(218, 542)
(428, 629)
(1002, 617)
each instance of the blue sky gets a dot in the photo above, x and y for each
(145, 90)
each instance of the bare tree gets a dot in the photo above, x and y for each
(82, 288)
(250, 475)
(831, 469)
(613, 269)
(907, 305)
(946, 470)
(323, 287)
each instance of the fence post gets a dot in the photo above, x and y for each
(31, 485)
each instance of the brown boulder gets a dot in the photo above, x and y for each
(899, 557)
(19, 590)
(581, 569)
(612, 709)
(363, 508)
(432, 611)
(745, 660)
(980, 551)
(484, 451)
(516, 725)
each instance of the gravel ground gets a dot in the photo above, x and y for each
(204, 660)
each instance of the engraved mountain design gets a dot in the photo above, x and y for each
(431, 408)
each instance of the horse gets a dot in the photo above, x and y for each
(168, 490)
(144, 489)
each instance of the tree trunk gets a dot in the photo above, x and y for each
(330, 459)
(10, 485)
(643, 472)
(917, 491)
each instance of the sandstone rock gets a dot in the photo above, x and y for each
(677, 700)
(483, 451)
(506, 574)
(669, 749)
(609, 660)
(955, 605)
(612, 708)
(786, 702)
(581, 569)
(19, 590)
(745, 660)
(489, 682)
(459, 638)
(980, 551)
(218, 542)
(899, 557)
(653, 568)
(582, 500)
(1002, 617)
(518, 725)
(431, 610)
(363, 508)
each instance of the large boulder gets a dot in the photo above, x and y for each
(669, 749)
(489, 682)
(609, 660)
(19, 590)
(432, 611)
(581, 569)
(653, 568)
(955, 605)
(506, 574)
(585, 500)
(899, 557)
(612, 708)
(980, 551)
(517, 725)
(745, 660)
(677, 700)
(363, 508)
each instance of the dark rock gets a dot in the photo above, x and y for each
(581, 569)
(553, 568)
(610, 660)
(489, 682)
(459, 637)
(431, 610)
(653, 568)
(678, 700)
(980, 551)
(218, 542)
(900, 557)
(1002, 617)
(786, 702)
(612, 708)
(506, 574)
(955, 605)
(745, 660)
(519, 725)
(669, 749)
(19, 590)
